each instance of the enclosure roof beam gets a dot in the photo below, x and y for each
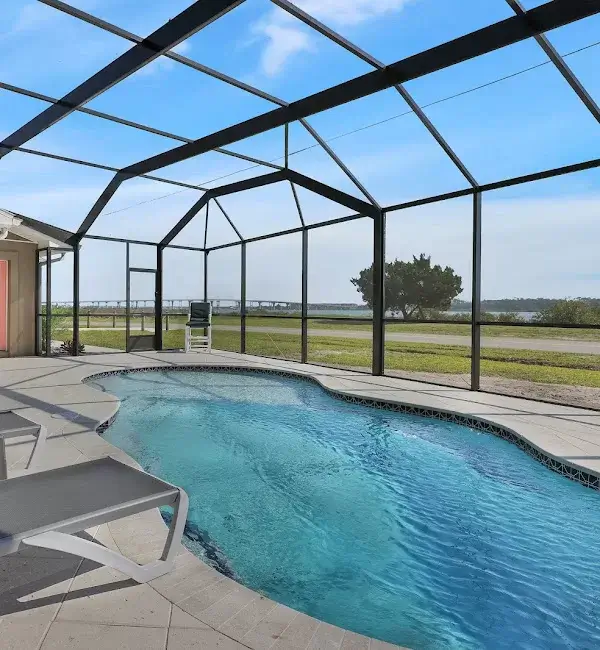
(331, 193)
(141, 242)
(538, 176)
(594, 163)
(237, 232)
(190, 63)
(250, 183)
(260, 181)
(120, 240)
(100, 204)
(561, 65)
(496, 185)
(187, 217)
(318, 26)
(333, 36)
(113, 29)
(297, 202)
(108, 168)
(108, 193)
(446, 196)
(187, 23)
(290, 231)
(493, 37)
(119, 178)
(338, 161)
(135, 125)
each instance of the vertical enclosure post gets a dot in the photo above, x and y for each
(476, 297)
(286, 145)
(76, 249)
(304, 341)
(127, 299)
(378, 293)
(48, 301)
(243, 299)
(158, 299)
(206, 225)
(38, 305)
(205, 276)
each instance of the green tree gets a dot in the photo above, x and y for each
(575, 312)
(412, 287)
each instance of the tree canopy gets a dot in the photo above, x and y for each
(571, 312)
(412, 287)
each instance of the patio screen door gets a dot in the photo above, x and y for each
(141, 306)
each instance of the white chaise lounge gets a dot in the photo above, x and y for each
(46, 508)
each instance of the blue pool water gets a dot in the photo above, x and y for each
(415, 531)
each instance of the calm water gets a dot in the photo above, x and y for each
(418, 532)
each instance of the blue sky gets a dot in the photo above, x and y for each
(539, 239)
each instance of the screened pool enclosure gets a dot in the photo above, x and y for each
(478, 150)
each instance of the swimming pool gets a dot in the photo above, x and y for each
(415, 531)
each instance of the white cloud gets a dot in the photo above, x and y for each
(285, 37)
(283, 42)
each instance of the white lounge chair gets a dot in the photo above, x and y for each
(46, 508)
(200, 317)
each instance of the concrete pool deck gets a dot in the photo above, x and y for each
(50, 600)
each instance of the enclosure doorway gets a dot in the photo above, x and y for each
(137, 337)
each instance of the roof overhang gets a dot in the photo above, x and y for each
(42, 235)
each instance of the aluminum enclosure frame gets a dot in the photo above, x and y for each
(523, 25)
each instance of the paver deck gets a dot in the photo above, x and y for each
(52, 600)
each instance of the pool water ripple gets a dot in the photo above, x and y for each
(419, 532)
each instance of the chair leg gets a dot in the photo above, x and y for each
(3, 464)
(173, 543)
(97, 553)
(105, 556)
(38, 447)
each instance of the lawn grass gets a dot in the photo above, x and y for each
(102, 338)
(97, 321)
(115, 339)
(531, 365)
(421, 328)
(283, 346)
(458, 329)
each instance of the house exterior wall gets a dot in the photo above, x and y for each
(22, 260)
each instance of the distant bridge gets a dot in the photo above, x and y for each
(219, 304)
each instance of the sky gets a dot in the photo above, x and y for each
(539, 239)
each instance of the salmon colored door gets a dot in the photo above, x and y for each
(3, 305)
